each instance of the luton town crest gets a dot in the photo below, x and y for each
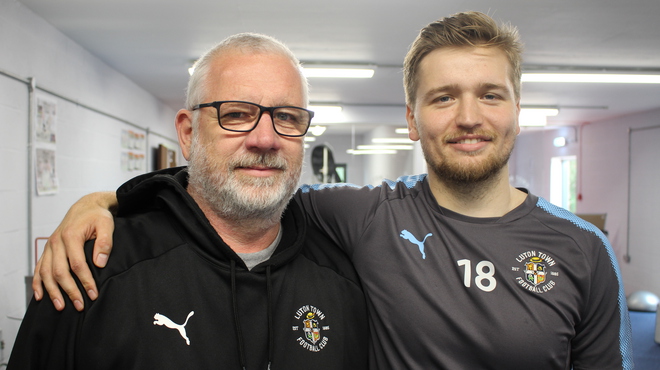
(311, 328)
(535, 271)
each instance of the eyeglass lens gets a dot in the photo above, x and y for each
(238, 116)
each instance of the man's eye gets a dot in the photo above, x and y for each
(235, 115)
(442, 99)
(284, 116)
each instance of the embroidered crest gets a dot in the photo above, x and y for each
(313, 336)
(536, 271)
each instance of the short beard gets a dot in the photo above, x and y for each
(471, 177)
(475, 173)
(235, 198)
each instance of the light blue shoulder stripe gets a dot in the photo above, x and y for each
(409, 181)
(625, 334)
(306, 187)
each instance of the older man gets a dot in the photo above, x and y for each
(461, 269)
(214, 272)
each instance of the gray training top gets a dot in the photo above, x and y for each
(536, 288)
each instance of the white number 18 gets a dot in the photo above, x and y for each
(485, 271)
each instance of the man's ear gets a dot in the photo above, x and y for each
(518, 118)
(183, 123)
(412, 124)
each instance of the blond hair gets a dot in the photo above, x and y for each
(469, 29)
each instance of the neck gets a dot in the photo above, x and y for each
(241, 235)
(493, 197)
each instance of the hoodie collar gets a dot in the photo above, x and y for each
(165, 191)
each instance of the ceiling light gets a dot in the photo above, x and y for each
(310, 139)
(591, 78)
(339, 72)
(317, 130)
(536, 116)
(370, 151)
(327, 113)
(385, 147)
(401, 131)
(391, 140)
(559, 141)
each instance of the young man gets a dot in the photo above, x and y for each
(461, 270)
(217, 268)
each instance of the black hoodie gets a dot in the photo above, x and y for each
(174, 296)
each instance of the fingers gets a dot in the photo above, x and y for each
(37, 288)
(103, 228)
(87, 219)
(44, 275)
(103, 244)
(71, 255)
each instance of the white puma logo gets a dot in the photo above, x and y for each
(410, 237)
(164, 320)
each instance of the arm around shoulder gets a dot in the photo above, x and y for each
(89, 218)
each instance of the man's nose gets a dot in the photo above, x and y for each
(469, 113)
(263, 137)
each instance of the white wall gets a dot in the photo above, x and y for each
(605, 188)
(88, 143)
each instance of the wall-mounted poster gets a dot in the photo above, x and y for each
(133, 145)
(46, 130)
(46, 173)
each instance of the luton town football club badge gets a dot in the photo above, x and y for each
(311, 328)
(313, 333)
(536, 271)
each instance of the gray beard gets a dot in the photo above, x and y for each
(236, 198)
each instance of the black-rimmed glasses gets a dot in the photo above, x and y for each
(242, 116)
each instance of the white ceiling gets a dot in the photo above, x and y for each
(153, 42)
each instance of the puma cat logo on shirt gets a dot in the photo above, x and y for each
(405, 234)
(164, 320)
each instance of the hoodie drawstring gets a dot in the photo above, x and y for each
(237, 323)
(269, 307)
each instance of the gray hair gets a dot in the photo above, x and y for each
(250, 42)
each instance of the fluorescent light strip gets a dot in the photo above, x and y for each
(547, 112)
(370, 151)
(391, 140)
(327, 113)
(338, 72)
(325, 109)
(591, 78)
(536, 116)
(401, 131)
(385, 147)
